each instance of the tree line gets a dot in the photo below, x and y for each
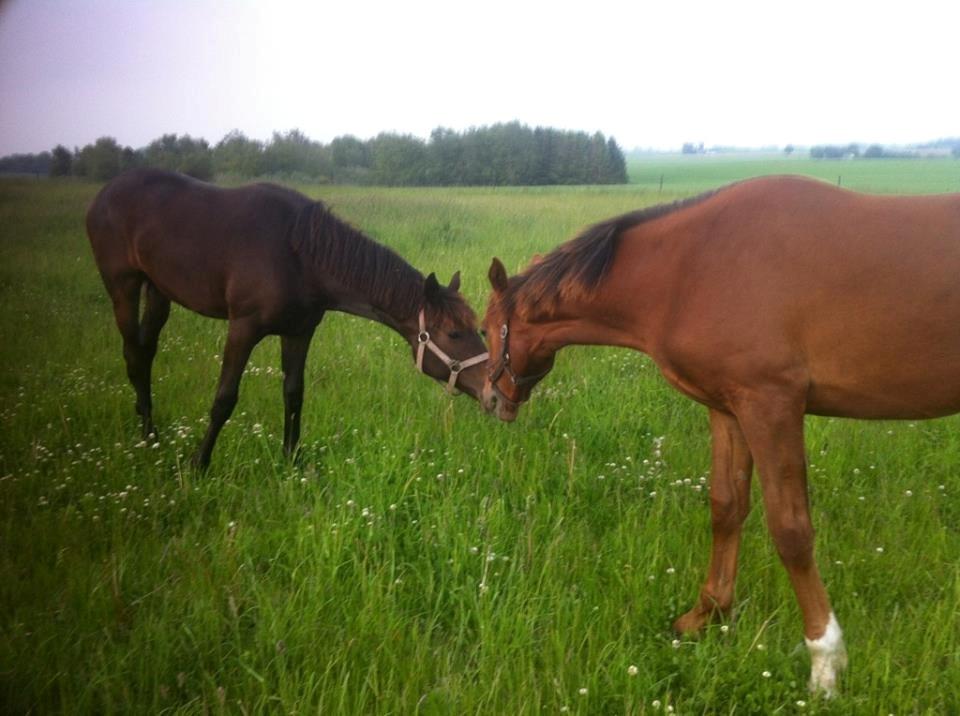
(878, 151)
(501, 154)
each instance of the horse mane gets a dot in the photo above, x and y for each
(575, 268)
(358, 263)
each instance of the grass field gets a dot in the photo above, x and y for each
(425, 558)
(697, 173)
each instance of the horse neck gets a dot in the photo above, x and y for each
(405, 325)
(591, 320)
(349, 272)
(624, 310)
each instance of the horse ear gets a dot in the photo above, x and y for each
(455, 282)
(497, 276)
(537, 258)
(431, 287)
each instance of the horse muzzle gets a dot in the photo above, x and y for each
(498, 404)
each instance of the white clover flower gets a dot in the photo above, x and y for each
(582, 692)
(632, 670)
(766, 674)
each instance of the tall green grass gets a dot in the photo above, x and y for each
(422, 558)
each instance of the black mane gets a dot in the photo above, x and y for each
(578, 266)
(357, 262)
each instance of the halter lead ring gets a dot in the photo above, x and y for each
(424, 342)
(503, 366)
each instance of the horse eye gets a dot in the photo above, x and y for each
(454, 335)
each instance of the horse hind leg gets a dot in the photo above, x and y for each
(155, 314)
(125, 295)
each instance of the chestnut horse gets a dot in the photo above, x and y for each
(764, 301)
(270, 261)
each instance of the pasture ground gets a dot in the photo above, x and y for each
(423, 558)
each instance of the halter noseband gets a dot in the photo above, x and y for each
(503, 366)
(453, 365)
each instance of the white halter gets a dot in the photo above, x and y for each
(455, 366)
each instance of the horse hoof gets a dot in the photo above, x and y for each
(692, 622)
(828, 658)
(199, 463)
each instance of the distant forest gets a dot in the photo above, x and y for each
(501, 154)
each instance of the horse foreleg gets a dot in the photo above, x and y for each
(293, 359)
(774, 431)
(242, 336)
(729, 506)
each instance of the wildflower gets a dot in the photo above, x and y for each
(656, 704)
(675, 643)
(632, 670)
(582, 692)
(724, 628)
(801, 703)
(766, 674)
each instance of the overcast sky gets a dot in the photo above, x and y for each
(652, 74)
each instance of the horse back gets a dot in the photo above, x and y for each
(855, 297)
(220, 252)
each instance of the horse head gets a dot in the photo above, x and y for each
(520, 358)
(448, 346)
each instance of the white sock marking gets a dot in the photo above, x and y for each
(828, 657)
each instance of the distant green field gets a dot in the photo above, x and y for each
(689, 174)
(425, 558)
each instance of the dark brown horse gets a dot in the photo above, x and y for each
(270, 261)
(764, 301)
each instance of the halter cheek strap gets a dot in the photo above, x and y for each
(503, 366)
(424, 343)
